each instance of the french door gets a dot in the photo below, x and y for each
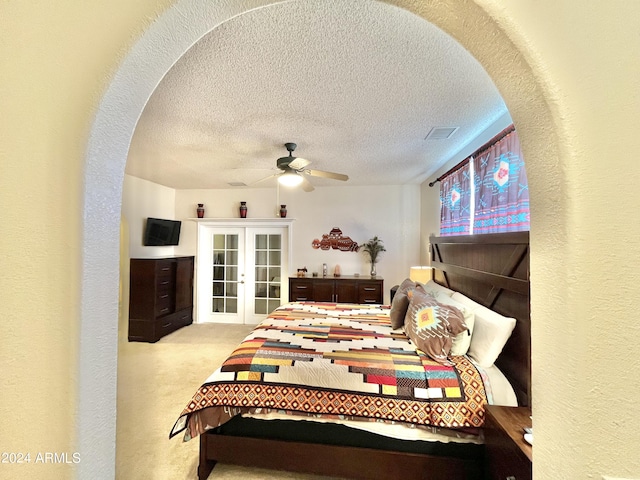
(242, 272)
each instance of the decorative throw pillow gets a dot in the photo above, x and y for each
(400, 303)
(462, 341)
(431, 325)
(398, 310)
(406, 285)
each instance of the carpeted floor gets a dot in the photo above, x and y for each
(155, 382)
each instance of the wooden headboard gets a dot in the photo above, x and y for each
(493, 270)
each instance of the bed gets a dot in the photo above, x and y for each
(396, 410)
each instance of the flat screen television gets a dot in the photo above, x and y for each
(160, 232)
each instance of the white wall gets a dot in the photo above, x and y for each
(142, 199)
(391, 212)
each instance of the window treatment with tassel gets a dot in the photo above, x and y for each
(501, 188)
(455, 203)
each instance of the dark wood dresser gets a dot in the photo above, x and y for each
(509, 456)
(345, 289)
(161, 297)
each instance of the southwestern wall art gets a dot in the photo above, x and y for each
(335, 240)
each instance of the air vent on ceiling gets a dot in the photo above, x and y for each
(441, 133)
(237, 184)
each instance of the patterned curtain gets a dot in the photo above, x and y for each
(455, 203)
(501, 188)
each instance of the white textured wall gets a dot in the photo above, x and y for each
(142, 199)
(568, 72)
(391, 212)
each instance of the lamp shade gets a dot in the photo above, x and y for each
(420, 274)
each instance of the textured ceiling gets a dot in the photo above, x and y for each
(357, 85)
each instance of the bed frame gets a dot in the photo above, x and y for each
(491, 269)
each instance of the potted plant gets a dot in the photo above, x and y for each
(373, 248)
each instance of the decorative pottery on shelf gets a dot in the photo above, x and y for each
(243, 209)
(200, 210)
(283, 211)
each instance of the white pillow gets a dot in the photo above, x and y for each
(461, 342)
(466, 301)
(490, 332)
(433, 288)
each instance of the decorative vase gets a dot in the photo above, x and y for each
(243, 209)
(200, 210)
(283, 211)
(373, 270)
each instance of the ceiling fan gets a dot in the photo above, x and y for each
(294, 171)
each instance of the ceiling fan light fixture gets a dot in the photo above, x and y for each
(290, 179)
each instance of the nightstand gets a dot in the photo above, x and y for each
(508, 455)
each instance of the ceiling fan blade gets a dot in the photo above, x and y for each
(299, 163)
(306, 185)
(323, 174)
(265, 178)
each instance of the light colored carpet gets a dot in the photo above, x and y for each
(155, 382)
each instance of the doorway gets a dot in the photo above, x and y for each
(107, 151)
(241, 272)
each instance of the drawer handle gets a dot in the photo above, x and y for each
(166, 325)
(370, 289)
(164, 296)
(301, 287)
(166, 282)
(184, 317)
(164, 310)
(165, 269)
(368, 300)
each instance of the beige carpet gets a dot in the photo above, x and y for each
(155, 382)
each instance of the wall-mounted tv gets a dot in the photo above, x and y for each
(159, 232)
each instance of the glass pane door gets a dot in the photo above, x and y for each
(268, 269)
(240, 272)
(220, 275)
(225, 273)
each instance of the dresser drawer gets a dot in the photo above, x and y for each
(163, 268)
(163, 303)
(171, 323)
(344, 289)
(182, 318)
(164, 283)
(369, 292)
(300, 290)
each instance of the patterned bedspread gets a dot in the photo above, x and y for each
(337, 360)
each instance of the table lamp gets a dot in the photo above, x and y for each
(420, 274)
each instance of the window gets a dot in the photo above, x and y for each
(455, 202)
(489, 192)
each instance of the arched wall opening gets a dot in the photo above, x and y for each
(154, 54)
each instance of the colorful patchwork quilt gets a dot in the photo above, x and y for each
(340, 360)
